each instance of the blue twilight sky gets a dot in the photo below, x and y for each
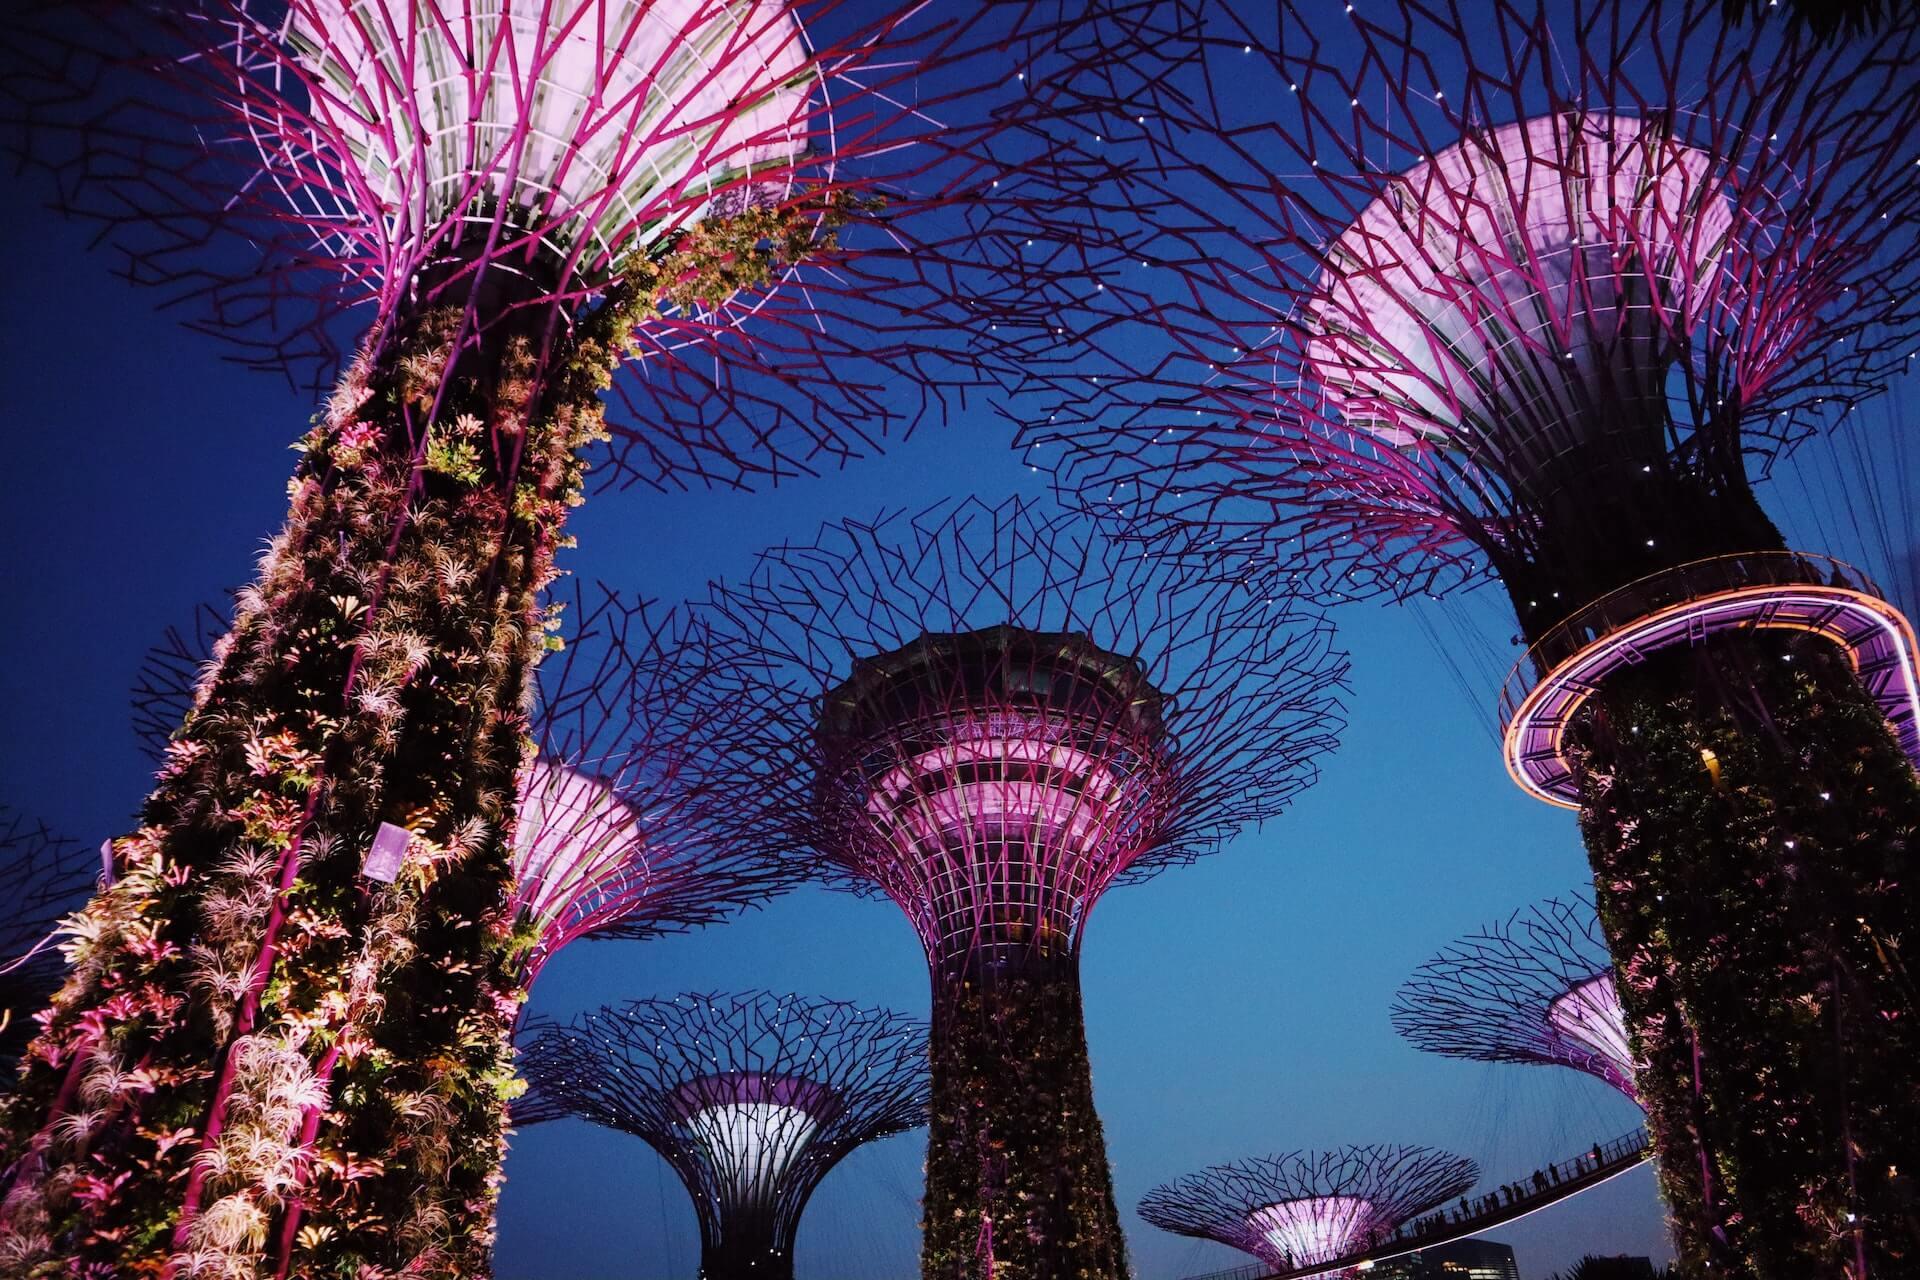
(1236, 1007)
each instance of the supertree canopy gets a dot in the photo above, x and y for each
(1528, 290)
(751, 1098)
(787, 227)
(991, 715)
(1309, 1207)
(1537, 987)
(42, 877)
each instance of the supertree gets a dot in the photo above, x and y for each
(619, 831)
(794, 226)
(42, 877)
(1537, 987)
(991, 715)
(1309, 1207)
(751, 1098)
(1525, 290)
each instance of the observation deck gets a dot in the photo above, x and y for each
(1754, 591)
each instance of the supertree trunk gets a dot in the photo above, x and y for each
(266, 1061)
(1017, 1178)
(1751, 822)
(749, 1247)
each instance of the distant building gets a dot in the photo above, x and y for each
(1461, 1260)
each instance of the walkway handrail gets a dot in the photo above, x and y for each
(1643, 596)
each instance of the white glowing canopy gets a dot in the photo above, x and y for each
(750, 1145)
(1505, 288)
(1589, 1015)
(615, 120)
(1313, 1229)
(573, 830)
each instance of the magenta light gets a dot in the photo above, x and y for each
(1530, 220)
(1309, 1207)
(1536, 988)
(1590, 1016)
(751, 1098)
(993, 713)
(622, 824)
(1792, 591)
(610, 127)
(998, 821)
(1302, 1232)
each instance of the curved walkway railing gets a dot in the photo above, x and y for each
(1626, 605)
(1476, 1214)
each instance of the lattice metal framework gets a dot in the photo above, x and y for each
(271, 165)
(751, 1098)
(1493, 285)
(1308, 1207)
(42, 877)
(991, 714)
(1536, 987)
(624, 819)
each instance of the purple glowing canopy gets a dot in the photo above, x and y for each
(1535, 988)
(991, 714)
(1308, 1207)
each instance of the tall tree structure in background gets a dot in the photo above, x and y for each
(751, 1098)
(1536, 988)
(42, 877)
(779, 218)
(1309, 1207)
(1526, 289)
(991, 715)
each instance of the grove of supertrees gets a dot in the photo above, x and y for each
(773, 232)
(1309, 1207)
(43, 876)
(752, 1099)
(991, 715)
(1535, 988)
(1525, 290)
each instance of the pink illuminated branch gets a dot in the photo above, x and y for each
(1309, 1207)
(991, 715)
(751, 1098)
(1536, 988)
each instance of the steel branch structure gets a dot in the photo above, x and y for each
(623, 814)
(1537, 987)
(1529, 290)
(991, 715)
(42, 877)
(1309, 1207)
(751, 1098)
